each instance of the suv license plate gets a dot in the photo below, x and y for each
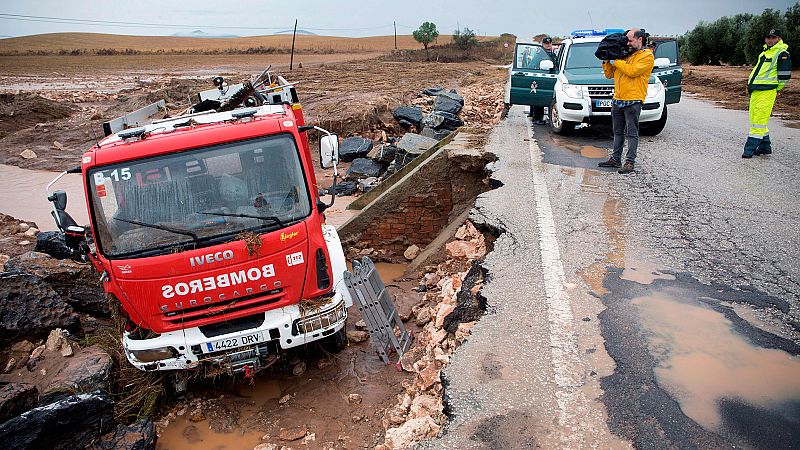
(227, 344)
(603, 103)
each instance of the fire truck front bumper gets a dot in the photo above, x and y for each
(238, 345)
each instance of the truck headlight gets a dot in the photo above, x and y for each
(154, 354)
(572, 90)
(653, 89)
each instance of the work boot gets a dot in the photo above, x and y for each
(611, 162)
(627, 168)
(765, 147)
(750, 147)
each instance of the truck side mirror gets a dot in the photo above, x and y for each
(328, 151)
(661, 63)
(59, 199)
(546, 64)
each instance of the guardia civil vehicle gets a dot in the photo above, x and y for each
(575, 90)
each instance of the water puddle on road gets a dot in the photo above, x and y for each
(702, 361)
(595, 274)
(25, 198)
(387, 271)
(182, 433)
(643, 272)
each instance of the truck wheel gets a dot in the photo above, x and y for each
(562, 127)
(653, 128)
(336, 342)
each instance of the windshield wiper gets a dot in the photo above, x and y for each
(161, 227)
(249, 216)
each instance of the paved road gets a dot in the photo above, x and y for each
(657, 310)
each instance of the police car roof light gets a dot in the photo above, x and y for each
(591, 32)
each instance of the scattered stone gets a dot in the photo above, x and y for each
(435, 134)
(367, 184)
(442, 120)
(426, 405)
(410, 114)
(285, 399)
(423, 316)
(354, 399)
(411, 252)
(266, 446)
(10, 365)
(299, 369)
(363, 168)
(357, 336)
(444, 310)
(74, 422)
(88, 371)
(354, 147)
(433, 91)
(37, 352)
(3, 260)
(415, 144)
(197, 416)
(24, 243)
(52, 243)
(310, 437)
(344, 188)
(447, 103)
(293, 433)
(57, 342)
(140, 435)
(31, 232)
(28, 154)
(23, 347)
(58, 145)
(384, 154)
(411, 432)
(16, 398)
(466, 249)
(23, 227)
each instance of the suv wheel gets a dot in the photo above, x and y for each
(559, 126)
(653, 128)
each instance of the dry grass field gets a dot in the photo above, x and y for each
(55, 43)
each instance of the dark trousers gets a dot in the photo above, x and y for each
(626, 123)
(538, 112)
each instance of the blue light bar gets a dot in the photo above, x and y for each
(591, 32)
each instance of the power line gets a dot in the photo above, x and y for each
(91, 22)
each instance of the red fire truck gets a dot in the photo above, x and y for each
(208, 229)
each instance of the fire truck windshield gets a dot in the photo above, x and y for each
(150, 206)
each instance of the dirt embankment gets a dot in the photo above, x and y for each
(727, 85)
(59, 122)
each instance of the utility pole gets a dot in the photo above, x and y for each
(395, 34)
(294, 34)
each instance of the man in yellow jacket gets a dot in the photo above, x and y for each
(630, 88)
(772, 71)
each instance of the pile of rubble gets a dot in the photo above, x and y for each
(54, 384)
(451, 305)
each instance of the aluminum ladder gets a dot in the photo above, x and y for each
(377, 308)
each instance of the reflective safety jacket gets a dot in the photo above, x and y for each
(773, 70)
(631, 75)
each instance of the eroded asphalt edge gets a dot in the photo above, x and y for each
(519, 382)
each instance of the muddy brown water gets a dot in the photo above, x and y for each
(24, 195)
(703, 361)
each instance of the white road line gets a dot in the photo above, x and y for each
(563, 345)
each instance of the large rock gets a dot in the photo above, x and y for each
(410, 114)
(434, 134)
(52, 243)
(433, 91)
(411, 432)
(137, 436)
(363, 168)
(76, 283)
(16, 398)
(442, 120)
(88, 371)
(383, 154)
(409, 147)
(448, 103)
(344, 188)
(72, 423)
(29, 306)
(354, 147)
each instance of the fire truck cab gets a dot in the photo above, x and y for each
(209, 232)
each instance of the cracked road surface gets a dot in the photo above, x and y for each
(654, 310)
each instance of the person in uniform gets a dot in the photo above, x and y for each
(770, 74)
(538, 111)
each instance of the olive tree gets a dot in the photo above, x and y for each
(425, 34)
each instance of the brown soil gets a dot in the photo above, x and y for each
(353, 97)
(727, 86)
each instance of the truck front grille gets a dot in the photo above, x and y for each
(601, 91)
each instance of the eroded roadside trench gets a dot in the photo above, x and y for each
(428, 254)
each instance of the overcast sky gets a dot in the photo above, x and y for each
(523, 18)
